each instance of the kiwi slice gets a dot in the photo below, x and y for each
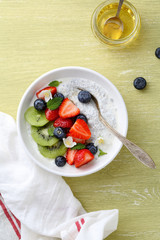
(58, 149)
(41, 135)
(35, 118)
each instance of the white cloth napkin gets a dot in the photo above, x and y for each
(42, 201)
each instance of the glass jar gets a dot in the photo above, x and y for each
(108, 9)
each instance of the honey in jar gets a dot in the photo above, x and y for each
(111, 30)
(108, 34)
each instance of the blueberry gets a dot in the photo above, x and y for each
(40, 104)
(92, 148)
(59, 133)
(157, 52)
(84, 96)
(60, 161)
(83, 117)
(139, 83)
(59, 95)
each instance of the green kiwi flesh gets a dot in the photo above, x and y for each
(58, 149)
(35, 118)
(41, 135)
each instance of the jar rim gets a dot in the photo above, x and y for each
(103, 38)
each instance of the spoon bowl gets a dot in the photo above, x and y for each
(113, 27)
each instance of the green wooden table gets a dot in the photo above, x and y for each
(37, 36)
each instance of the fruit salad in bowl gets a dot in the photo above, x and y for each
(59, 129)
(59, 124)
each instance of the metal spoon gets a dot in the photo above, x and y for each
(113, 27)
(137, 152)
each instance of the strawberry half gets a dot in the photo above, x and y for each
(64, 123)
(82, 157)
(70, 156)
(77, 140)
(45, 92)
(67, 109)
(80, 130)
(51, 115)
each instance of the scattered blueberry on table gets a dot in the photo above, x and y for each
(60, 161)
(139, 83)
(84, 96)
(157, 52)
(40, 104)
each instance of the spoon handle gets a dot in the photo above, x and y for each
(137, 152)
(119, 7)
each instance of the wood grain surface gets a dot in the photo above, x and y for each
(40, 35)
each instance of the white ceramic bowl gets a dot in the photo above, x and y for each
(28, 143)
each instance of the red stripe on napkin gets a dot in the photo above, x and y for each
(82, 221)
(78, 226)
(17, 221)
(9, 217)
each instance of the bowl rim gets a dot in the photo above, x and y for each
(19, 120)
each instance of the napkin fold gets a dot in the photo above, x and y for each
(42, 201)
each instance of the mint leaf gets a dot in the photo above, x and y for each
(50, 131)
(54, 83)
(54, 103)
(101, 153)
(78, 146)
